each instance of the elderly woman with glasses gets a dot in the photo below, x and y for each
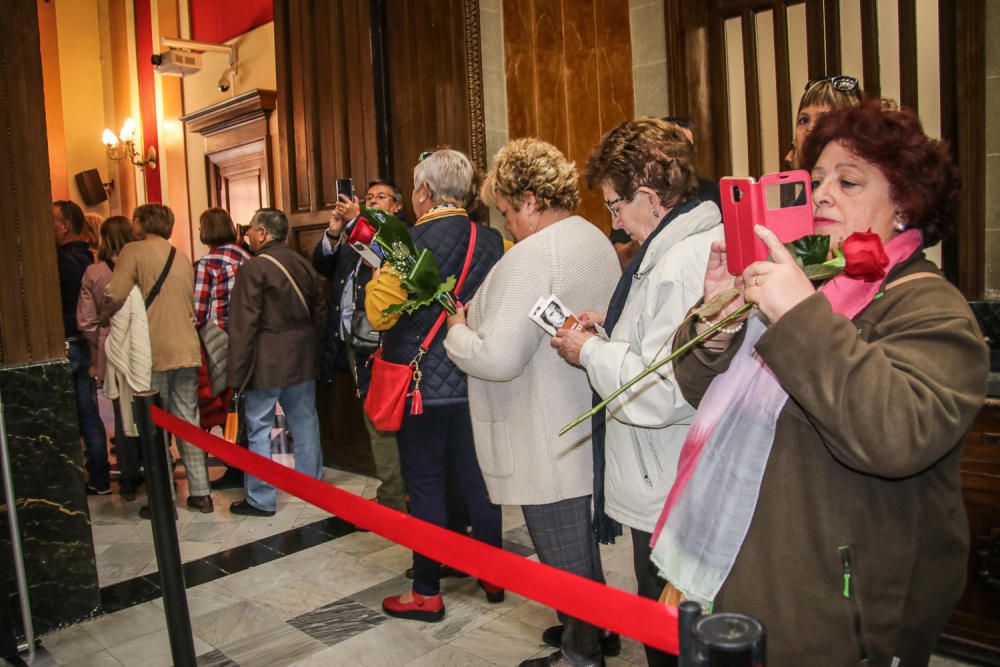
(830, 506)
(645, 170)
(511, 366)
(438, 442)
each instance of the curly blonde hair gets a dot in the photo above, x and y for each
(535, 166)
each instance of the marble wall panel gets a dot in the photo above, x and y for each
(47, 464)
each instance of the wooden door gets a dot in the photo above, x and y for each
(240, 181)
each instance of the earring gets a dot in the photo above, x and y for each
(899, 225)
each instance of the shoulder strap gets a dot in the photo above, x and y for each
(426, 345)
(153, 293)
(913, 276)
(295, 285)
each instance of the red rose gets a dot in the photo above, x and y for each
(362, 232)
(865, 257)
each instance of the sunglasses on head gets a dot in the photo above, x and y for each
(845, 84)
(424, 155)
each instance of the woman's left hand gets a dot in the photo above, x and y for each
(458, 317)
(568, 344)
(779, 285)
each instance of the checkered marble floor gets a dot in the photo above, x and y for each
(317, 606)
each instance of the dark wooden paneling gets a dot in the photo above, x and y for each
(569, 77)
(816, 38)
(30, 309)
(326, 92)
(782, 79)
(963, 124)
(869, 48)
(974, 628)
(748, 24)
(831, 33)
(431, 56)
(908, 53)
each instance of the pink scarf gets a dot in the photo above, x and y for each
(708, 511)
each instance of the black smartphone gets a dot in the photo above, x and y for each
(345, 186)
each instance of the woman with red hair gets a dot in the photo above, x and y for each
(829, 503)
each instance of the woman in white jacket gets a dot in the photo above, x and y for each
(520, 391)
(646, 172)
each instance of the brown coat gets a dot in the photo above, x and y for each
(866, 456)
(172, 335)
(270, 331)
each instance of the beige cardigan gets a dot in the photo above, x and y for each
(520, 391)
(172, 335)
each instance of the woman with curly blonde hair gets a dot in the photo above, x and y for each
(520, 392)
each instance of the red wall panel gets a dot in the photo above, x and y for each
(219, 20)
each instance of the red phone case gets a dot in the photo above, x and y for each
(744, 204)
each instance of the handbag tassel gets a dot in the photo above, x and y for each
(417, 404)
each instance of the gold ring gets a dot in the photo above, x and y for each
(756, 280)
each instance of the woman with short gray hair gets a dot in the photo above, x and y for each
(439, 441)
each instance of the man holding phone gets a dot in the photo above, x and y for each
(348, 344)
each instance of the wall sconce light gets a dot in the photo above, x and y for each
(122, 146)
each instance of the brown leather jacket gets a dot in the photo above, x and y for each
(272, 339)
(859, 542)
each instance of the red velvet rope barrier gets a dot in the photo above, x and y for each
(642, 619)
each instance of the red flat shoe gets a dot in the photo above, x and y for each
(428, 609)
(494, 594)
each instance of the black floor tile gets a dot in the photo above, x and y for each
(337, 621)
(216, 659)
(127, 593)
(201, 571)
(242, 557)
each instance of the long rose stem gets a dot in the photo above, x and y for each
(745, 308)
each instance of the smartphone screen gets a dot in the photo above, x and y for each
(345, 187)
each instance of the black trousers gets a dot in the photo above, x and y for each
(650, 586)
(431, 444)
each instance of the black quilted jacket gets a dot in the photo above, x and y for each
(448, 240)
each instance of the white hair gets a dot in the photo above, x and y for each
(449, 177)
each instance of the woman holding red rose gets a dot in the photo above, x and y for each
(835, 417)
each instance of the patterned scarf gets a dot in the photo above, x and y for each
(707, 514)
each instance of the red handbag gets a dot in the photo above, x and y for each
(390, 381)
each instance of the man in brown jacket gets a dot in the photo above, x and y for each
(172, 336)
(276, 319)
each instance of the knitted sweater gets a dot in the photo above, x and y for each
(520, 392)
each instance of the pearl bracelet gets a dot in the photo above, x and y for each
(729, 331)
(732, 330)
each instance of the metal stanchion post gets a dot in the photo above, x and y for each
(168, 553)
(688, 613)
(719, 640)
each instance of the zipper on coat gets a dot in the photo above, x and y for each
(852, 599)
(642, 464)
(652, 450)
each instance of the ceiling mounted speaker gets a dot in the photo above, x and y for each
(91, 187)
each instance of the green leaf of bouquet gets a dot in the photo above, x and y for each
(425, 276)
(392, 233)
(812, 249)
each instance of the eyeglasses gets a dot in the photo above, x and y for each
(845, 84)
(610, 205)
(379, 196)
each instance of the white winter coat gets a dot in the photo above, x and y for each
(646, 426)
(520, 391)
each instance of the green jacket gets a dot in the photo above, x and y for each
(859, 543)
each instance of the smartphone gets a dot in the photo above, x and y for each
(345, 186)
(781, 202)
